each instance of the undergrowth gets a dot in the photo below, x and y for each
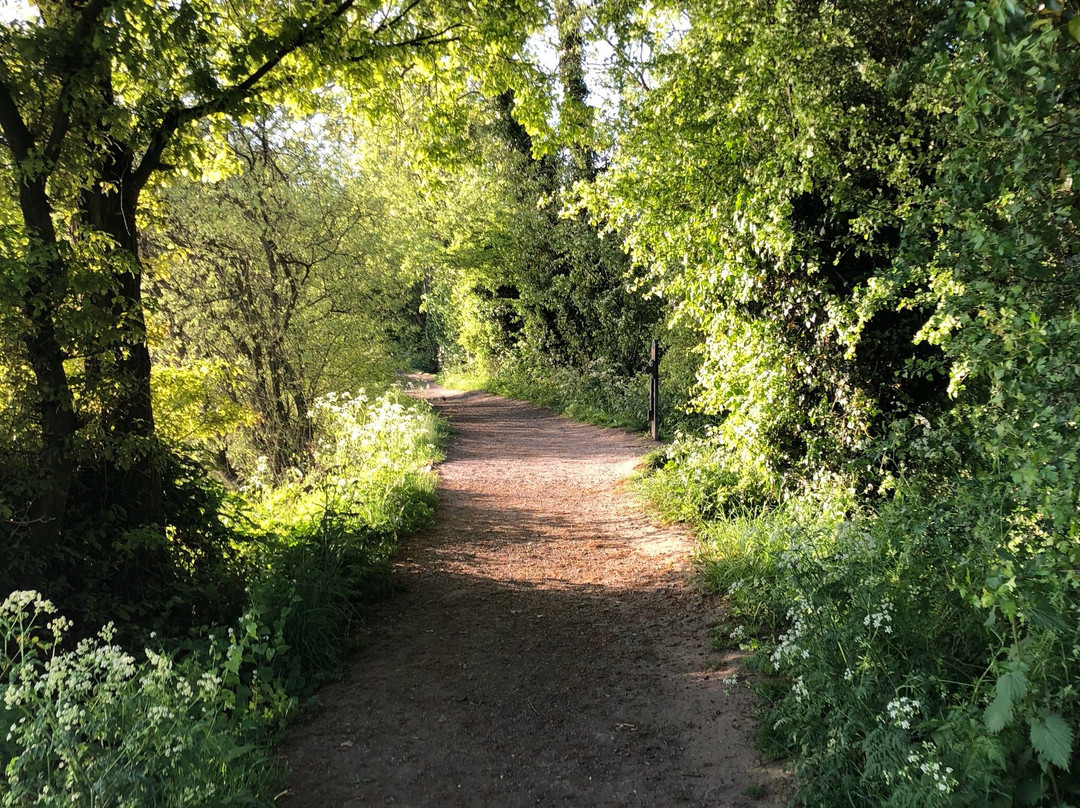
(919, 647)
(188, 720)
(597, 394)
(917, 635)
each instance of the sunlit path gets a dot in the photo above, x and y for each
(548, 646)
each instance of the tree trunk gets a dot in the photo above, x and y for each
(568, 20)
(130, 424)
(54, 399)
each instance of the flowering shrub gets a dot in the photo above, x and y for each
(369, 466)
(892, 669)
(91, 723)
(374, 453)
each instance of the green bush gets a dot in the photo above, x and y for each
(924, 661)
(700, 478)
(318, 584)
(598, 393)
(370, 467)
(325, 537)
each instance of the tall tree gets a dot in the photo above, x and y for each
(287, 271)
(98, 98)
(757, 182)
(565, 296)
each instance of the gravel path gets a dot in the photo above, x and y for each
(548, 647)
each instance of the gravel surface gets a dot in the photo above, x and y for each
(548, 645)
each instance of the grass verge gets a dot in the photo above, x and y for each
(917, 649)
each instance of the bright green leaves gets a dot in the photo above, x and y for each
(99, 99)
(756, 186)
(870, 215)
(437, 60)
(766, 179)
(291, 275)
(1073, 28)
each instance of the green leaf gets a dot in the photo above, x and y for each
(1013, 684)
(1030, 791)
(1010, 688)
(1074, 28)
(1052, 739)
(999, 713)
(238, 751)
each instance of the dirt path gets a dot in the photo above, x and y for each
(548, 647)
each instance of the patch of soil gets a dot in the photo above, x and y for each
(549, 646)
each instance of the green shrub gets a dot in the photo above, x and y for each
(697, 479)
(370, 467)
(325, 537)
(169, 578)
(189, 723)
(926, 662)
(318, 584)
(598, 394)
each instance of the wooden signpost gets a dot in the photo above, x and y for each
(654, 389)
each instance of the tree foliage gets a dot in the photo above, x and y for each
(870, 217)
(859, 222)
(756, 187)
(289, 272)
(541, 285)
(98, 101)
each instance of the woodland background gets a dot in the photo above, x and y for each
(225, 227)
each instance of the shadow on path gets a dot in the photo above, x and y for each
(547, 647)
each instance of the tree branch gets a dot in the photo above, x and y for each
(18, 136)
(78, 50)
(429, 39)
(229, 96)
(389, 22)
